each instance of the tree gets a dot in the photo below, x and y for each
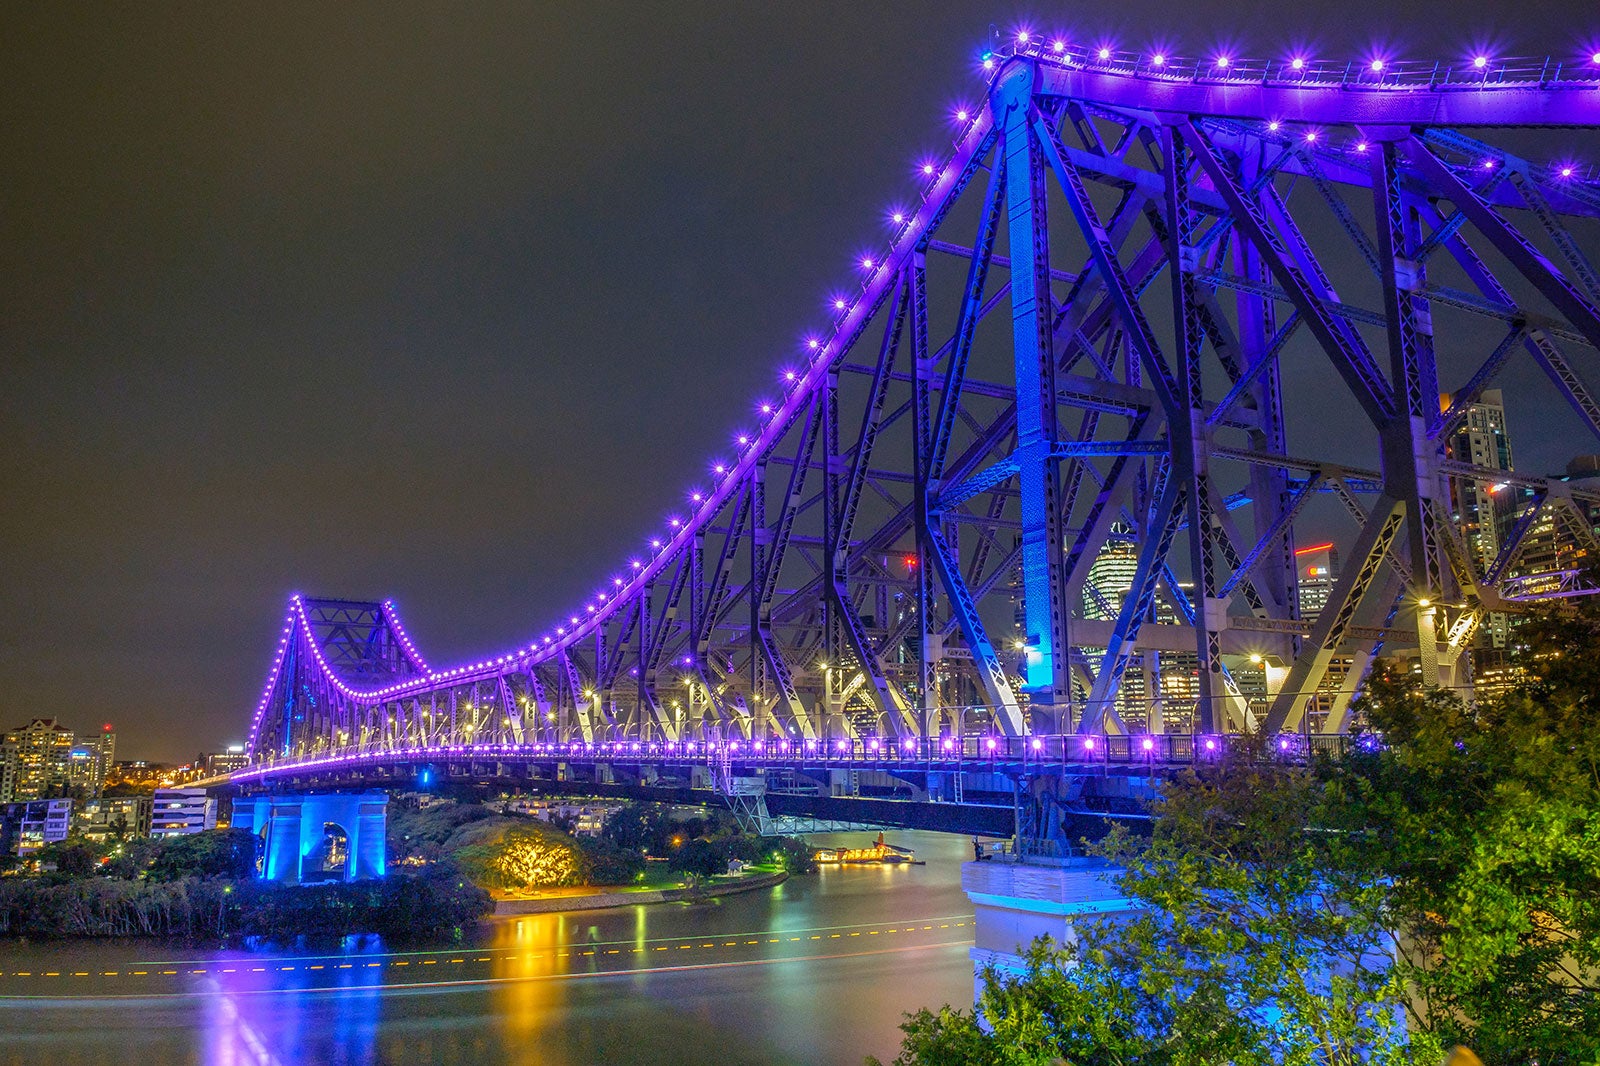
(519, 853)
(1484, 821)
(608, 863)
(1249, 946)
(1440, 885)
(636, 826)
(229, 853)
(792, 854)
(699, 856)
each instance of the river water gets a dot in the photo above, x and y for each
(819, 970)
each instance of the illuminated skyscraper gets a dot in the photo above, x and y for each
(90, 760)
(35, 760)
(1480, 509)
(1111, 575)
(1316, 569)
(1553, 546)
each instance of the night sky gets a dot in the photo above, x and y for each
(447, 303)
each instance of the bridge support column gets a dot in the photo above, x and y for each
(1014, 903)
(297, 833)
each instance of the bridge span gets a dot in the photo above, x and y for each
(1035, 494)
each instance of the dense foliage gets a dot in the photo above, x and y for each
(401, 909)
(218, 853)
(203, 887)
(1440, 887)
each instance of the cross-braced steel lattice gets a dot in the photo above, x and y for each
(1045, 470)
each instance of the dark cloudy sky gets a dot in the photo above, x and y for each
(441, 302)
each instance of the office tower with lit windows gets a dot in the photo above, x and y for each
(1482, 508)
(91, 760)
(1316, 569)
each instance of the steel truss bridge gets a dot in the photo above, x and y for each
(1170, 306)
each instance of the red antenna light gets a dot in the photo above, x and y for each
(911, 562)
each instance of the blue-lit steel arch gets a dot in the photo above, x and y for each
(1081, 335)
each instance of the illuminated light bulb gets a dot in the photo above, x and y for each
(988, 64)
(744, 440)
(813, 344)
(1273, 126)
(1362, 147)
(1376, 65)
(696, 497)
(720, 469)
(1311, 136)
(838, 305)
(1480, 61)
(1222, 62)
(1297, 63)
(866, 263)
(674, 523)
(1566, 172)
(1037, 744)
(766, 408)
(961, 116)
(1147, 744)
(655, 542)
(1022, 36)
(1104, 53)
(898, 217)
(573, 620)
(927, 169)
(1158, 60)
(788, 375)
(1488, 164)
(1595, 58)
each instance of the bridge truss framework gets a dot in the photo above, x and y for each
(1084, 333)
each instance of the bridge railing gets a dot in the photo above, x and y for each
(971, 752)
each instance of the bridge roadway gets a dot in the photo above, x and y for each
(972, 785)
(1073, 752)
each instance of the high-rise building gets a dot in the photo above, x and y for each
(91, 760)
(1111, 574)
(35, 760)
(1481, 441)
(1553, 545)
(1161, 684)
(1316, 569)
(1481, 508)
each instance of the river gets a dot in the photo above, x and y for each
(818, 970)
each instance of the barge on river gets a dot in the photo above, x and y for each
(879, 853)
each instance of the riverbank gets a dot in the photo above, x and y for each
(602, 900)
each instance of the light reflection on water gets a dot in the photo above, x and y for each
(664, 984)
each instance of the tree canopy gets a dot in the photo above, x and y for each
(1441, 886)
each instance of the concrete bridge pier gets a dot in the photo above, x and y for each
(1017, 899)
(317, 837)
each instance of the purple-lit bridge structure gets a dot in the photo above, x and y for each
(1148, 312)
